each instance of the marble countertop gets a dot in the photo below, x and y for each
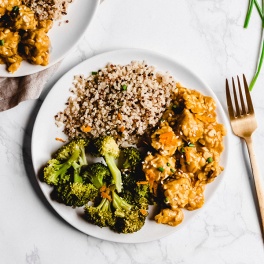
(207, 37)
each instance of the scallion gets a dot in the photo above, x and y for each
(249, 12)
(166, 200)
(160, 169)
(259, 65)
(124, 87)
(261, 48)
(182, 150)
(15, 9)
(209, 160)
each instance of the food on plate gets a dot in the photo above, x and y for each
(48, 9)
(187, 145)
(63, 172)
(170, 217)
(95, 186)
(116, 213)
(24, 33)
(66, 158)
(167, 153)
(105, 146)
(124, 101)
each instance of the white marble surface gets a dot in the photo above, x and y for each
(206, 36)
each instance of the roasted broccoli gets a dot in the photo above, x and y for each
(135, 186)
(132, 158)
(67, 161)
(128, 218)
(75, 194)
(100, 215)
(142, 195)
(98, 174)
(116, 213)
(120, 197)
(63, 172)
(56, 172)
(130, 222)
(136, 189)
(106, 147)
(119, 203)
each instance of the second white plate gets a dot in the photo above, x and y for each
(63, 36)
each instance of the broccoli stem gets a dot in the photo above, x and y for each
(76, 173)
(104, 205)
(117, 179)
(77, 177)
(119, 203)
(74, 156)
(101, 204)
(126, 164)
(83, 159)
(62, 170)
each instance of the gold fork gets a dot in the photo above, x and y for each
(243, 123)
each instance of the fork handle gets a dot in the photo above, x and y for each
(257, 180)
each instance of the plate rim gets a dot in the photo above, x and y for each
(161, 56)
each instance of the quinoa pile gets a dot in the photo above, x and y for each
(48, 9)
(122, 101)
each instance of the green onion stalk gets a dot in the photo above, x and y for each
(261, 48)
(249, 11)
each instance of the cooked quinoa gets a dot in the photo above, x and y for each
(48, 9)
(122, 101)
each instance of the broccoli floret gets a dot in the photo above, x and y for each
(98, 174)
(68, 158)
(100, 215)
(55, 172)
(142, 195)
(132, 158)
(75, 194)
(106, 147)
(136, 189)
(66, 151)
(63, 172)
(116, 213)
(131, 221)
(135, 186)
(119, 203)
(129, 218)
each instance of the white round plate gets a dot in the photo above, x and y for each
(45, 131)
(63, 36)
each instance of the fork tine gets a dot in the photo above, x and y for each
(249, 101)
(235, 99)
(229, 102)
(241, 98)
